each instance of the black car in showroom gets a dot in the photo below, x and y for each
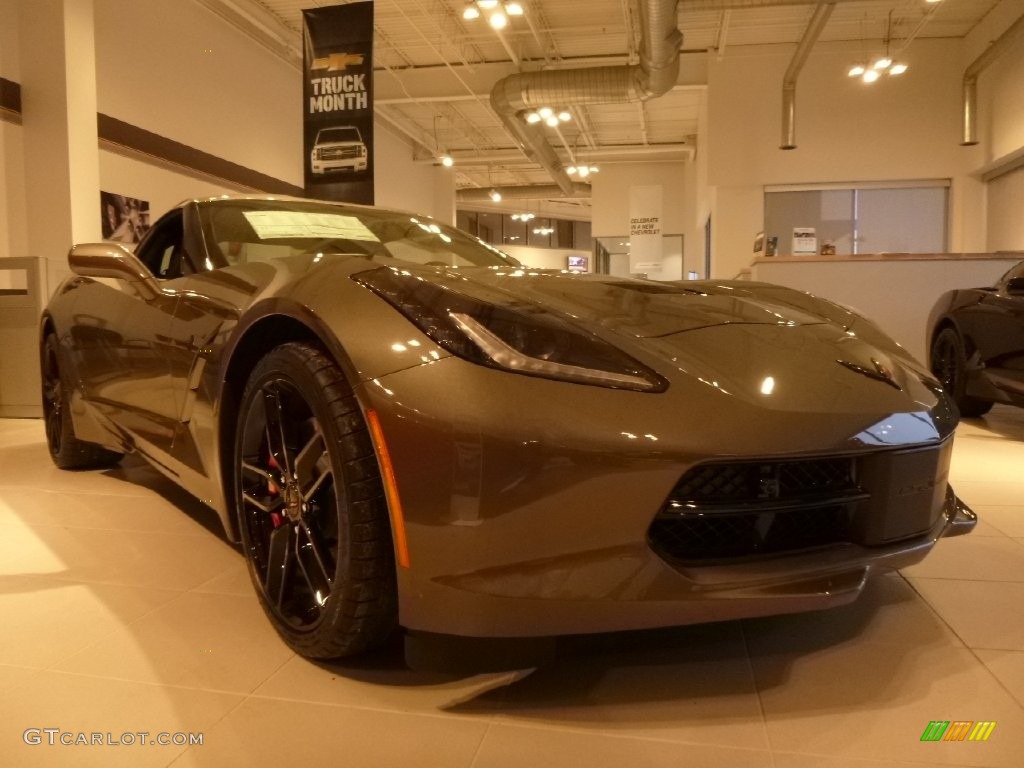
(976, 338)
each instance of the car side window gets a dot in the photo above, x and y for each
(1016, 272)
(163, 249)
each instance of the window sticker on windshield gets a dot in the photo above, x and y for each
(270, 225)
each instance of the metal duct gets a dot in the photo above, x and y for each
(693, 6)
(655, 74)
(535, 191)
(979, 65)
(803, 50)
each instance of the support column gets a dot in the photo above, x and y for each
(61, 153)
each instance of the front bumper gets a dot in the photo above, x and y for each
(533, 521)
(352, 164)
(642, 592)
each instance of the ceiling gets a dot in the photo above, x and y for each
(434, 70)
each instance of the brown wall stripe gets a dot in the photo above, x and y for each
(119, 132)
(10, 95)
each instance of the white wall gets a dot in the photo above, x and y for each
(1000, 127)
(611, 208)
(401, 183)
(900, 128)
(611, 195)
(12, 175)
(178, 70)
(9, 67)
(13, 234)
(1006, 212)
(1000, 87)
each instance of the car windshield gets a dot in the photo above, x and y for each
(328, 135)
(239, 232)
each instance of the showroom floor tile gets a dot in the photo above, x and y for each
(124, 609)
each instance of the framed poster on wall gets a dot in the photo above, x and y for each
(123, 219)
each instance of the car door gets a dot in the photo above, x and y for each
(122, 340)
(1001, 323)
(991, 321)
(210, 303)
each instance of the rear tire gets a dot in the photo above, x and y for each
(949, 364)
(66, 450)
(311, 507)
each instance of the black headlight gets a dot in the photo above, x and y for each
(515, 336)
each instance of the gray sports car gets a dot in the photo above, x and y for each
(404, 426)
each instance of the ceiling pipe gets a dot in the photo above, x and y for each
(654, 75)
(693, 6)
(524, 192)
(803, 50)
(1002, 44)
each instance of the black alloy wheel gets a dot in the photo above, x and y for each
(311, 507)
(66, 450)
(949, 364)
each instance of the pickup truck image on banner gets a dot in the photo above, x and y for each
(338, 102)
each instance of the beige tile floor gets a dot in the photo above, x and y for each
(123, 610)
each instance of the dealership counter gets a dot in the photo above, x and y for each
(896, 290)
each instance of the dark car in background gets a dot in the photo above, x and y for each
(976, 339)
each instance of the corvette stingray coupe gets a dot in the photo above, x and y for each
(976, 338)
(403, 426)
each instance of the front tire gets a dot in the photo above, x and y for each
(66, 450)
(311, 507)
(949, 364)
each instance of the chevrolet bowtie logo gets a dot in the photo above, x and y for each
(880, 372)
(337, 62)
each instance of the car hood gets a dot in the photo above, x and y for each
(642, 308)
(773, 347)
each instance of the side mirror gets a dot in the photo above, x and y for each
(113, 260)
(1015, 286)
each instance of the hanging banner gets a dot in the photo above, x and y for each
(337, 102)
(645, 244)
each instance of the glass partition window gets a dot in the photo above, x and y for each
(502, 229)
(869, 219)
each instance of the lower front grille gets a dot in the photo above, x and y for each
(704, 537)
(728, 510)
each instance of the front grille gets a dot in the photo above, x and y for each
(724, 511)
(693, 538)
(338, 153)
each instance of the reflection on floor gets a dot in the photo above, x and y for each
(123, 610)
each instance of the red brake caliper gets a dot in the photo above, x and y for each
(274, 490)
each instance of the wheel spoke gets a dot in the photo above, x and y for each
(309, 459)
(312, 466)
(279, 565)
(310, 553)
(53, 431)
(52, 396)
(317, 484)
(262, 506)
(275, 430)
(260, 471)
